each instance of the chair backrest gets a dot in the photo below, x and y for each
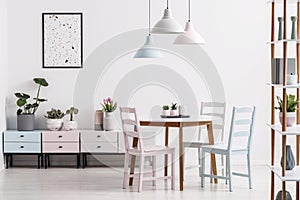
(241, 125)
(217, 111)
(131, 127)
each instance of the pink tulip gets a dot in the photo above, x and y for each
(104, 101)
(109, 100)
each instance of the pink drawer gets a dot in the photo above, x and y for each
(61, 147)
(60, 136)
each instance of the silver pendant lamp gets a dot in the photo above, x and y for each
(190, 35)
(148, 50)
(167, 25)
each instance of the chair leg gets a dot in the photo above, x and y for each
(222, 164)
(249, 171)
(202, 167)
(199, 161)
(126, 178)
(173, 170)
(142, 158)
(229, 173)
(226, 169)
(154, 170)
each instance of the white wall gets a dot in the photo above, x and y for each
(235, 32)
(4, 72)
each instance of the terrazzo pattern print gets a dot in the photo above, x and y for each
(62, 40)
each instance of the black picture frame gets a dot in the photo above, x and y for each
(59, 64)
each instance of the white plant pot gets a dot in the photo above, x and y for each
(174, 112)
(70, 125)
(291, 79)
(55, 124)
(108, 122)
(166, 112)
(290, 118)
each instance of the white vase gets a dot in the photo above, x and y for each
(108, 122)
(291, 79)
(174, 112)
(290, 118)
(70, 125)
(55, 124)
(166, 112)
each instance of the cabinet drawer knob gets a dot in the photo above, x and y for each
(21, 135)
(98, 147)
(60, 147)
(60, 136)
(98, 136)
(22, 147)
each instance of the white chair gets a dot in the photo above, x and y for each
(131, 129)
(241, 130)
(217, 111)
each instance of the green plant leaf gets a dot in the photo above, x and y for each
(19, 111)
(21, 102)
(28, 106)
(22, 95)
(40, 100)
(41, 81)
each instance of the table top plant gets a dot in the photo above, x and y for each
(25, 107)
(54, 119)
(108, 105)
(71, 124)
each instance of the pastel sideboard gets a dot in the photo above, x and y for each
(101, 143)
(59, 143)
(21, 142)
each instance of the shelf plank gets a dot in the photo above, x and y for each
(290, 175)
(285, 40)
(294, 130)
(281, 1)
(286, 86)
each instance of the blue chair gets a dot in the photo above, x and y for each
(241, 128)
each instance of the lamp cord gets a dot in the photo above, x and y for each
(167, 4)
(189, 10)
(149, 16)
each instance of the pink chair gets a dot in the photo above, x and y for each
(131, 129)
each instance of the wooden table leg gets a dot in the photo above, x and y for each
(133, 158)
(181, 157)
(166, 144)
(212, 156)
(297, 161)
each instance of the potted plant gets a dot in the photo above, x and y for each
(71, 124)
(166, 110)
(174, 110)
(26, 111)
(109, 106)
(291, 106)
(54, 119)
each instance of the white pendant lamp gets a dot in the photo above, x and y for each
(190, 36)
(167, 25)
(148, 50)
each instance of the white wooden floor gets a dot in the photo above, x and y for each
(106, 183)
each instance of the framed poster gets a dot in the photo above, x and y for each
(62, 40)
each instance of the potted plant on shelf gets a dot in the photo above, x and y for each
(166, 110)
(54, 119)
(26, 111)
(174, 110)
(109, 106)
(71, 124)
(291, 106)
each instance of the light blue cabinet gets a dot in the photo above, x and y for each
(21, 142)
(22, 136)
(22, 147)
